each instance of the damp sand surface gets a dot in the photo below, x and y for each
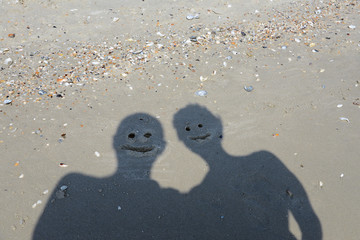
(281, 75)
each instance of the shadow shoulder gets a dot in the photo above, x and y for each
(264, 157)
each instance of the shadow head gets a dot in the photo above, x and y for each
(139, 136)
(196, 126)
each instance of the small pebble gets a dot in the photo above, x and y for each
(97, 154)
(352, 26)
(248, 88)
(339, 105)
(22, 221)
(201, 93)
(42, 92)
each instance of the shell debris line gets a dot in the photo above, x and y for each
(35, 75)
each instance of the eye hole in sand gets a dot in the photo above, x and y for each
(200, 125)
(147, 135)
(131, 135)
(187, 129)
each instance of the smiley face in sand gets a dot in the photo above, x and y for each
(196, 127)
(139, 136)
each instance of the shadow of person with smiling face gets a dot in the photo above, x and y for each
(241, 197)
(125, 205)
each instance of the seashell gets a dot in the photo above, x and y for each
(7, 101)
(63, 165)
(344, 119)
(191, 17)
(8, 61)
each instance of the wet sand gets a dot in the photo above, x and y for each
(78, 69)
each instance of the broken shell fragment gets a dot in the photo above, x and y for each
(193, 38)
(63, 165)
(7, 101)
(8, 61)
(344, 119)
(191, 17)
(37, 203)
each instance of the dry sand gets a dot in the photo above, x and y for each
(98, 62)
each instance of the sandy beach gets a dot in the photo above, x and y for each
(280, 77)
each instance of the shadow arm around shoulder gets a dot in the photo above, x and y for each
(294, 194)
(304, 214)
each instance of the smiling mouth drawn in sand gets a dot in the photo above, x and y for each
(143, 149)
(201, 137)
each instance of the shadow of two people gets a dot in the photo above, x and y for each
(246, 197)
